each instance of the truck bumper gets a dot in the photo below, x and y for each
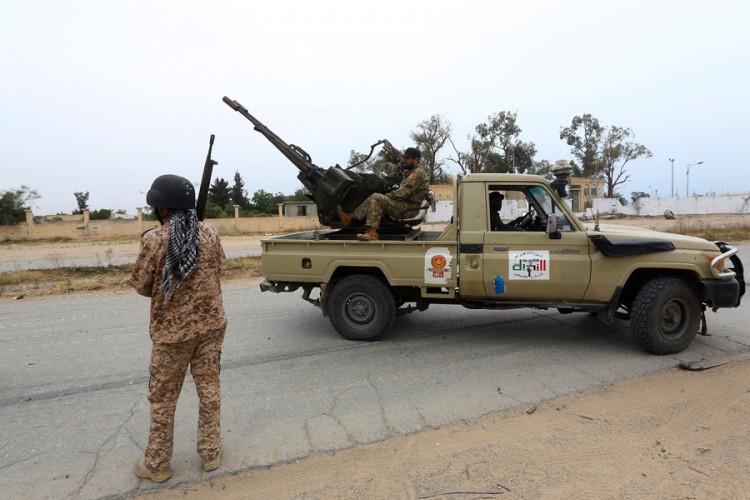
(723, 293)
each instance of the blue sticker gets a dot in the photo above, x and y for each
(499, 285)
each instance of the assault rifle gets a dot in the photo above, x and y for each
(208, 167)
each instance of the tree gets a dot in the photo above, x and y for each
(219, 194)
(430, 137)
(495, 147)
(584, 136)
(14, 203)
(543, 168)
(238, 191)
(377, 165)
(616, 152)
(301, 194)
(148, 213)
(262, 201)
(277, 200)
(82, 199)
(637, 195)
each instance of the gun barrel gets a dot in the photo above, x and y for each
(208, 167)
(293, 153)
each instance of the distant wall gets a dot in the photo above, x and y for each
(83, 228)
(726, 204)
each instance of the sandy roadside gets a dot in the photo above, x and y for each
(676, 434)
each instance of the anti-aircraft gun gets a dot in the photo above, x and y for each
(334, 185)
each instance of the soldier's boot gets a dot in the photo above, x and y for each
(370, 235)
(213, 464)
(143, 472)
(346, 218)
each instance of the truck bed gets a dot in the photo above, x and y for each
(313, 256)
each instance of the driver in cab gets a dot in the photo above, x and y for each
(496, 223)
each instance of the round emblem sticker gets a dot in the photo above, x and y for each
(438, 261)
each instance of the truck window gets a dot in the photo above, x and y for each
(524, 208)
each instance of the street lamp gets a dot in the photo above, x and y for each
(672, 160)
(687, 177)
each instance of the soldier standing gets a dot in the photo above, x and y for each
(179, 266)
(401, 203)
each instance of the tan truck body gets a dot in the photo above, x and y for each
(662, 282)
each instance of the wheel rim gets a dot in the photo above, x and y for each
(673, 318)
(360, 310)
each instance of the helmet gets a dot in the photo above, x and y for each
(171, 191)
(412, 153)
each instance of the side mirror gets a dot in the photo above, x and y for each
(552, 231)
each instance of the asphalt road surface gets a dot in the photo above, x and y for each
(74, 381)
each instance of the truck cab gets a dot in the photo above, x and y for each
(542, 254)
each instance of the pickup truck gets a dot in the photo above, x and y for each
(661, 282)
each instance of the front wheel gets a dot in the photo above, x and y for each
(361, 307)
(665, 315)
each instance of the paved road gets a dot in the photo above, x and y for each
(73, 369)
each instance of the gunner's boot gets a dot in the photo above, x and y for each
(370, 235)
(346, 218)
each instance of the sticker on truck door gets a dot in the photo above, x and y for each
(528, 265)
(437, 266)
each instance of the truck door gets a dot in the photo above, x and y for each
(520, 260)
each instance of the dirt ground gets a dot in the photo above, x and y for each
(677, 434)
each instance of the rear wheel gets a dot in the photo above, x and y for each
(361, 307)
(665, 315)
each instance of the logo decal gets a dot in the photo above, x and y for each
(528, 265)
(438, 261)
(437, 266)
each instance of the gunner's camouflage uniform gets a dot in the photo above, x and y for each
(187, 330)
(401, 203)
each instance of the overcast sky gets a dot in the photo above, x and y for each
(103, 96)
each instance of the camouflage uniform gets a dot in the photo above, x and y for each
(401, 203)
(186, 330)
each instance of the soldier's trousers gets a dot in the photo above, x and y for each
(169, 364)
(377, 204)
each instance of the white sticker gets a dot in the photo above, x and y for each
(437, 266)
(528, 265)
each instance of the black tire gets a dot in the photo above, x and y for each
(361, 307)
(665, 315)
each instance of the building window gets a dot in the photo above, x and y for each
(301, 211)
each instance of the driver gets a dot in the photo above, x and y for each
(496, 223)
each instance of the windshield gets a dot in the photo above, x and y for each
(542, 199)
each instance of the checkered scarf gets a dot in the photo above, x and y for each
(182, 249)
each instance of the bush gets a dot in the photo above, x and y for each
(101, 214)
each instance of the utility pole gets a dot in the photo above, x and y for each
(672, 160)
(687, 177)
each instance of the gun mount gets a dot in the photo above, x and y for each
(334, 185)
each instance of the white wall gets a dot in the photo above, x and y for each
(444, 211)
(726, 204)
